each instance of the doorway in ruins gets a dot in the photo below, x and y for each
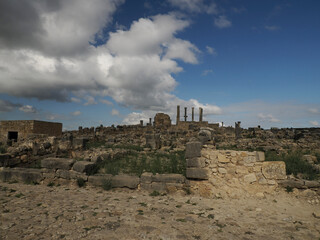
(13, 136)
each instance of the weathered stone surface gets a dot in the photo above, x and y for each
(76, 175)
(312, 184)
(26, 175)
(274, 170)
(241, 170)
(250, 178)
(84, 167)
(168, 178)
(249, 160)
(155, 186)
(193, 149)
(79, 142)
(57, 163)
(7, 161)
(146, 177)
(223, 158)
(222, 170)
(204, 136)
(197, 173)
(196, 162)
(98, 180)
(123, 180)
(294, 183)
(260, 156)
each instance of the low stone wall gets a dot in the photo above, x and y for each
(64, 170)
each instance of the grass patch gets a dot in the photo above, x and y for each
(50, 184)
(154, 194)
(294, 164)
(81, 182)
(107, 184)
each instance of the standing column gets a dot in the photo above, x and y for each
(200, 114)
(192, 114)
(185, 114)
(150, 121)
(178, 114)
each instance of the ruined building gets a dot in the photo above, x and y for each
(21, 129)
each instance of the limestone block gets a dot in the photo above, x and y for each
(98, 180)
(197, 173)
(294, 183)
(274, 170)
(213, 155)
(260, 156)
(7, 161)
(168, 178)
(124, 180)
(223, 159)
(222, 170)
(85, 167)
(76, 175)
(204, 136)
(261, 178)
(26, 175)
(193, 149)
(65, 174)
(196, 162)
(257, 168)
(57, 163)
(146, 177)
(250, 178)
(155, 186)
(272, 182)
(79, 142)
(312, 184)
(241, 170)
(249, 160)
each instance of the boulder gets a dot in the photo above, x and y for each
(250, 178)
(294, 183)
(57, 163)
(26, 175)
(197, 173)
(124, 180)
(98, 180)
(89, 168)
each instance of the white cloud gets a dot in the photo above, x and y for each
(206, 72)
(77, 100)
(211, 50)
(115, 112)
(76, 113)
(28, 109)
(268, 118)
(313, 110)
(106, 102)
(272, 28)
(195, 6)
(90, 101)
(222, 22)
(314, 123)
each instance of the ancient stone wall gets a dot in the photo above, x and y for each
(49, 128)
(162, 120)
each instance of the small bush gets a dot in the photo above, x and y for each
(154, 194)
(289, 189)
(107, 184)
(50, 184)
(81, 182)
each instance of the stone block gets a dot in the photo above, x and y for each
(196, 162)
(223, 159)
(98, 180)
(241, 170)
(26, 175)
(146, 177)
(57, 163)
(250, 178)
(249, 160)
(260, 156)
(274, 170)
(155, 186)
(76, 175)
(168, 178)
(193, 149)
(85, 167)
(79, 143)
(222, 170)
(261, 179)
(7, 161)
(124, 180)
(294, 183)
(65, 174)
(197, 173)
(312, 184)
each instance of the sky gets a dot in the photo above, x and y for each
(87, 63)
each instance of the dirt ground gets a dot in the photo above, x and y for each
(70, 212)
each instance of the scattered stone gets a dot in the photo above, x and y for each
(274, 170)
(57, 163)
(250, 178)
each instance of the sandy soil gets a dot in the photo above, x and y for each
(70, 212)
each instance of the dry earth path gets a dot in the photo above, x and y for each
(70, 212)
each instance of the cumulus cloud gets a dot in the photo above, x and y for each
(28, 109)
(134, 67)
(7, 106)
(211, 50)
(268, 118)
(195, 6)
(222, 22)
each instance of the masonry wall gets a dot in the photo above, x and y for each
(50, 128)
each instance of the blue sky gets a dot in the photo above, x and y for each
(86, 63)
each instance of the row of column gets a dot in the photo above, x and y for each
(186, 116)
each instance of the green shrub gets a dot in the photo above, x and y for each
(154, 194)
(294, 164)
(81, 182)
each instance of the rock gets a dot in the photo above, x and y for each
(294, 183)
(250, 178)
(146, 177)
(241, 170)
(89, 168)
(7, 161)
(65, 174)
(168, 178)
(26, 175)
(316, 214)
(274, 170)
(260, 195)
(260, 156)
(223, 159)
(204, 136)
(79, 143)
(193, 149)
(57, 163)
(249, 160)
(123, 180)
(222, 170)
(197, 173)
(196, 162)
(312, 184)
(98, 180)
